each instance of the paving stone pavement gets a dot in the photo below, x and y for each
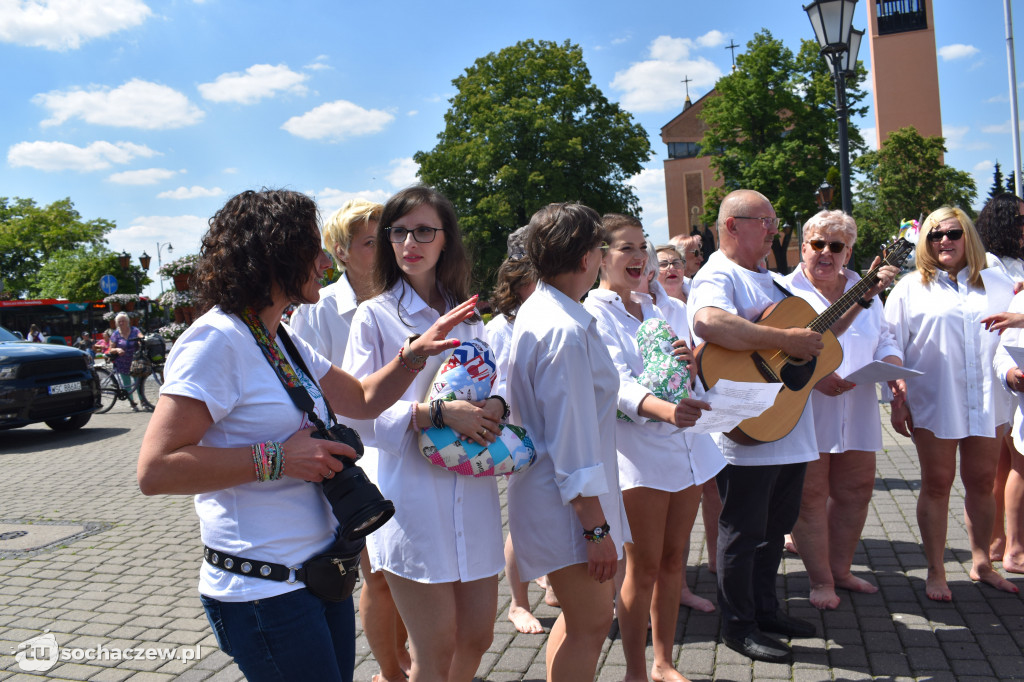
(131, 583)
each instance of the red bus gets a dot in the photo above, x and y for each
(55, 317)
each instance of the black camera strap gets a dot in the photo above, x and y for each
(296, 391)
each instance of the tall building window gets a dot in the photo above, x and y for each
(683, 150)
(900, 16)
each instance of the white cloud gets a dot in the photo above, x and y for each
(649, 185)
(66, 24)
(712, 38)
(184, 231)
(329, 200)
(56, 156)
(997, 129)
(957, 51)
(983, 166)
(258, 82)
(412, 112)
(870, 136)
(998, 99)
(403, 172)
(146, 176)
(193, 192)
(335, 121)
(136, 104)
(957, 138)
(656, 84)
(318, 64)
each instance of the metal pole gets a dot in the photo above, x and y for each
(1014, 122)
(844, 141)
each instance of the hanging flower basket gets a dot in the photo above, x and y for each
(179, 316)
(181, 281)
(115, 306)
(129, 306)
(189, 312)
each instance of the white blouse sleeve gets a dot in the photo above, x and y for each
(564, 392)
(631, 393)
(887, 343)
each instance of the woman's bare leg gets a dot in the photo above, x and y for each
(711, 509)
(851, 482)
(998, 545)
(811, 532)
(979, 458)
(379, 617)
(519, 608)
(574, 645)
(1013, 557)
(937, 457)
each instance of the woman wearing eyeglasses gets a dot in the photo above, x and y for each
(957, 403)
(442, 551)
(838, 486)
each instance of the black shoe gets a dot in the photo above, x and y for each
(760, 647)
(784, 624)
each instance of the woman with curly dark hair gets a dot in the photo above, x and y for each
(226, 431)
(1000, 228)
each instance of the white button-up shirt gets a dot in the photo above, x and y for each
(723, 284)
(849, 421)
(938, 327)
(499, 338)
(326, 323)
(562, 387)
(446, 527)
(651, 454)
(1004, 363)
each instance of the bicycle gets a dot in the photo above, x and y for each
(111, 389)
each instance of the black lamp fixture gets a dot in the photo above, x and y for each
(124, 259)
(832, 21)
(824, 195)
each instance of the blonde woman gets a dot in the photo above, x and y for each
(957, 403)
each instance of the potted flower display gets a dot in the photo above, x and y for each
(172, 331)
(118, 302)
(179, 270)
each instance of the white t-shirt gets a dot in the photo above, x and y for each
(325, 324)
(651, 454)
(287, 521)
(446, 527)
(723, 284)
(1011, 267)
(562, 387)
(938, 325)
(849, 421)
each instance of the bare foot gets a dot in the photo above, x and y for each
(790, 545)
(854, 584)
(988, 575)
(666, 673)
(1013, 563)
(524, 621)
(379, 677)
(937, 589)
(549, 597)
(824, 596)
(997, 548)
(692, 601)
(542, 582)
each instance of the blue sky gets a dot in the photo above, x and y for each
(152, 113)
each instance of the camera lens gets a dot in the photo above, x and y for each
(355, 501)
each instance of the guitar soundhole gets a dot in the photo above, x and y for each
(796, 373)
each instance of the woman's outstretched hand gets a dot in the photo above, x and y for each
(434, 341)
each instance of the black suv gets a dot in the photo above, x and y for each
(41, 382)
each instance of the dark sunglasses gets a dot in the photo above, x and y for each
(834, 247)
(954, 235)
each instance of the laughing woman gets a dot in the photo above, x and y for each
(442, 551)
(957, 403)
(660, 471)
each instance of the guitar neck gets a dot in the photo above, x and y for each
(824, 322)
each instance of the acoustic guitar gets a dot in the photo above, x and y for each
(772, 365)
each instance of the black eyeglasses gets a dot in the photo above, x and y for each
(674, 263)
(954, 235)
(767, 223)
(422, 234)
(820, 244)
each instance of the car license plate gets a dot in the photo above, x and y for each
(66, 388)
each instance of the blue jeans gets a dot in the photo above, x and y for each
(294, 636)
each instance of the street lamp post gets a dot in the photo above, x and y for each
(160, 263)
(840, 43)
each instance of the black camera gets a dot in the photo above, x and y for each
(356, 502)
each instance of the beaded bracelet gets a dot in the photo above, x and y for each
(437, 413)
(268, 458)
(408, 367)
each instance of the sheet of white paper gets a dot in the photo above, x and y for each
(998, 291)
(878, 372)
(732, 402)
(1017, 353)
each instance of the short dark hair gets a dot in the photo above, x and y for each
(453, 268)
(997, 226)
(257, 240)
(512, 274)
(613, 222)
(560, 235)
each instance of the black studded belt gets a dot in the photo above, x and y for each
(254, 568)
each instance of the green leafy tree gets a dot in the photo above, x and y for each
(75, 274)
(772, 128)
(997, 183)
(31, 235)
(527, 127)
(905, 179)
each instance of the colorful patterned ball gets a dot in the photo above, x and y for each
(663, 374)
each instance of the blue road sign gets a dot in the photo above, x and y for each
(108, 284)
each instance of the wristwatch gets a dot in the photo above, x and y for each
(597, 534)
(864, 303)
(407, 353)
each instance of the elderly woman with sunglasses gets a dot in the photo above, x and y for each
(957, 402)
(837, 487)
